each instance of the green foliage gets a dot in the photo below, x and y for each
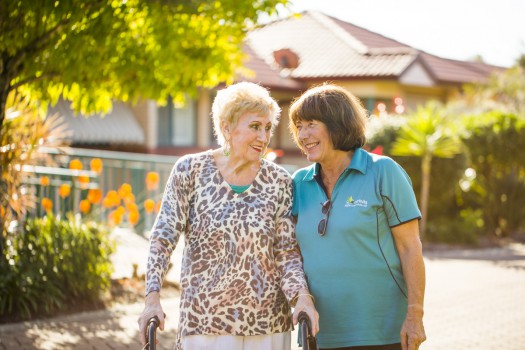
(93, 51)
(465, 228)
(495, 143)
(428, 132)
(23, 133)
(481, 191)
(53, 264)
(521, 61)
(443, 207)
(382, 131)
(505, 91)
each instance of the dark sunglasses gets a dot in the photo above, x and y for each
(321, 228)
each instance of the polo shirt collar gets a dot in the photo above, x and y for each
(359, 160)
(359, 163)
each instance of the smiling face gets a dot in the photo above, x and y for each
(250, 136)
(315, 141)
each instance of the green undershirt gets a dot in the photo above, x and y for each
(239, 189)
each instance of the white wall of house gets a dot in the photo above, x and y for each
(416, 74)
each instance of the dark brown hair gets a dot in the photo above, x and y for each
(341, 112)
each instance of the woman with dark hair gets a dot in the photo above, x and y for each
(357, 227)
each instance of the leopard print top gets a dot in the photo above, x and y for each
(241, 263)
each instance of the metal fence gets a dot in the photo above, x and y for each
(118, 168)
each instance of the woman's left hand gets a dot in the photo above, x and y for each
(305, 303)
(413, 331)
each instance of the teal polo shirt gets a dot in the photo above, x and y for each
(354, 271)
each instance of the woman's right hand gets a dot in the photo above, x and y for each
(305, 303)
(152, 308)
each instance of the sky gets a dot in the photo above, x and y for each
(457, 29)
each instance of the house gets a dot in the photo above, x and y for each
(288, 56)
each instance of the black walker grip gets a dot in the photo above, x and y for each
(153, 323)
(307, 339)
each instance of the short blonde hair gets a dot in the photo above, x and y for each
(237, 99)
(341, 112)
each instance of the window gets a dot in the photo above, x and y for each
(177, 123)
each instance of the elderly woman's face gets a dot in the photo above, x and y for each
(315, 140)
(250, 136)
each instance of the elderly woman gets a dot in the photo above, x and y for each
(241, 268)
(357, 227)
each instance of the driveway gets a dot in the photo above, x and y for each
(474, 301)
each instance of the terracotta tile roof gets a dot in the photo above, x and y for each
(331, 48)
(368, 38)
(325, 49)
(454, 71)
(265, 75)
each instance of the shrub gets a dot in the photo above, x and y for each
(445, 224)
(54, 264)
(495, 142)
(465, 228)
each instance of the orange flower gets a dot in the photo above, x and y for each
(84, 206)
(157, 207)
(44, 181)
(133, 217)
(124, 190)
(129, 199)
(2, 211)
(64, 190)
(115, 218)
(149, 205)
(47, 204)
(96, 165)
(75, 164)
(121, 210)
(94, 195)
(112, 199)
(152, 180)
(132, 206)
(106, 202)
(84, 181)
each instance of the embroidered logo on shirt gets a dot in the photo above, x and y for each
(351, 202)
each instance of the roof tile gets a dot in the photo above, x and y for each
(330, 48)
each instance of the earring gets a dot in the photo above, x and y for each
(227, 138)
(263, 153)
(226, 148)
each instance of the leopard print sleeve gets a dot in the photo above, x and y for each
(169, 224)
(287, 254)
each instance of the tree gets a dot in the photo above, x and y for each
(504, 91)
(93, 51)
(495, 143)
(521, 61)
(426, 134)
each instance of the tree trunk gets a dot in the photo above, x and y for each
(3, 102)
(426, 163)
(4, 92)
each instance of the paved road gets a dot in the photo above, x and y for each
(474, 301)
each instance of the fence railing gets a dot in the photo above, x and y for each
(118, 168)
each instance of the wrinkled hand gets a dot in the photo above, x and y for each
(152, 308)
(306, 304)
(413, 331)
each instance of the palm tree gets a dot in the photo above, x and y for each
(428, 133)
